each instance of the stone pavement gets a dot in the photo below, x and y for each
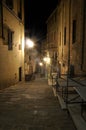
(32, 106)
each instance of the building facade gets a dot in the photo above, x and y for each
(11, 42)
(71, 36)
(52, 40)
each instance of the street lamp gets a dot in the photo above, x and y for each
(41, 64)
(46, 60)
(29, 43)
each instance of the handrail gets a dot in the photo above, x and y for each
(77, 82)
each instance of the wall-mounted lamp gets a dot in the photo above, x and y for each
(29, 43)
(46, 60)
(41, 64)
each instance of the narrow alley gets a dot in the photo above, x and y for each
(32, 106)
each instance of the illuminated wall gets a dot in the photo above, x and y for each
(12, 44)
(71, 35)
(52, 39)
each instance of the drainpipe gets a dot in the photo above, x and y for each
(67, 90)
(83, 35)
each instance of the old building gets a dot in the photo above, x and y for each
(11, 42)
(71, 35)
(52, 39)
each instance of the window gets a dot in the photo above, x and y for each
(1, 25)
(8, 37)
(20, 9)
(60, 39)
(63, 64)
(74, 32)
(5, 34)
(65, 36)
(55, 56)
(54, 36)
(9, 3)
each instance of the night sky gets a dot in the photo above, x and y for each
(36, 14)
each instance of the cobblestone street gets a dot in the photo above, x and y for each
(32, 106)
